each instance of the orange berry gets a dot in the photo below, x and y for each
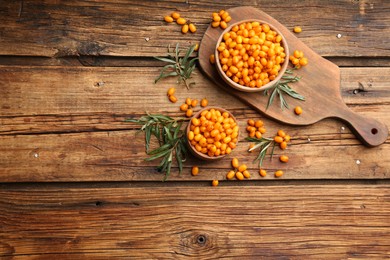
(239, 176)
(223, 24)
(173, 99)
(184, 107)
(195, 170)
(212, 59)
(192, 27)
(242, 168)
(297, 29)
(278, 139)
(171, 91)
(215, 183)
(194, 102)
(175, 15)
(204, 102)
(189, 112)
(235, 163)
(188, 101)
(263, 173)
(251, 122)
(246, 174)
(184, 28)
(287, 138)
(283, 158)
(298, 110)
(181, 21)
(230, 175)
(259, 123)
(283, 145)
(168, 19)
(215, 24)
(281, 133)
(279, 174)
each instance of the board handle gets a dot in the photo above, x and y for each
(370, 131)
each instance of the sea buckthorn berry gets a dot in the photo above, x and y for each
(283, 145)
(298, 110)
(262, 130)
(283, 158)
(215, 183)
(184, 28)
(239, 176)
(287, 138)
(215, 24)
(223, 24)
(196, 47)
(192, 27)
(279, 174)
(258, 134)
(216, 17)
(246, 174)
(212, 59)
(230, 175)
(303, 61)
(168, 19)
(189, 112)
(235, 163)
(251, 122)
(221, 12)
(195, 170)
(297, 29)
(184, 107)
(188, 101)
(181, 21)
(173, 99)
(228, 18)
(204, 102)
(194, 102)
(298, 54)
(242, 168)
(171, 91)
(262, 173)
(175, 15)
(278, 139)
(259, 123)
(281, 133)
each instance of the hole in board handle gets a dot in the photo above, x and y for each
(374, 131)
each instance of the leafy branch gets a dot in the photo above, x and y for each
(171, 139)
(281, 87)
(178, 66)
(262, 144)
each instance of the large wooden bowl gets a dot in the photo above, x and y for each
(192, 148)
(237, 86)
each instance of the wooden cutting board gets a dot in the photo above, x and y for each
(320, 84)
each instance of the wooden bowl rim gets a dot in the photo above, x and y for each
(192, 148)
(237, 86)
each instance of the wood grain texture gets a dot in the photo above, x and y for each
(294, 222)
(119, 156)
(59, 98)
(133, 28)
(320, 83)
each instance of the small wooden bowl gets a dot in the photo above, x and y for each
(200, 155)
(237, 86)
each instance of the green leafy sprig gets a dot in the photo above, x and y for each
(263, 144)
(178, 66)
(171, 139)
(281, 87)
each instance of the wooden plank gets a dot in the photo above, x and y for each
(294, 222)
(123, 28)
(76, 95)
(119, 156)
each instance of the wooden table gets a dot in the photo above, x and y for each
(74, 183)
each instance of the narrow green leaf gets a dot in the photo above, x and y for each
(160, 149)
(158, 155)
(271, 98)
(165, 60)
